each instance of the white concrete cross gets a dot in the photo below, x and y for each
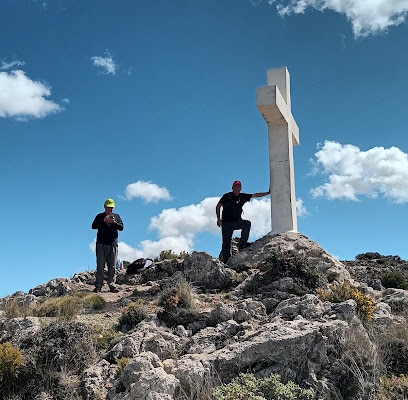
(273, 102)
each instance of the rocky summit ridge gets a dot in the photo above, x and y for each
(274, 308)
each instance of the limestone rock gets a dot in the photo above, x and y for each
(261, 313)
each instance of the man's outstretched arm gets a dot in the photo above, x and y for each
(261, 194)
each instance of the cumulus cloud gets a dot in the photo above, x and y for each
(21, 97)
(187, 220)
(177, 228)
(366, 16)
(107, 63)
(301, 210)
(148, 191)
(352, 173)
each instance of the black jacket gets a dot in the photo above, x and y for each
(107, 233)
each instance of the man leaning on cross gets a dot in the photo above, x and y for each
(231, 220)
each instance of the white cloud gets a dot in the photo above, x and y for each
(300, 208)
(352, 172)
(178, 228)
(10, 65)
(150, 192)
(21, 97)
(151, 249)
(187, 220)
(106, 63)
(366, 16)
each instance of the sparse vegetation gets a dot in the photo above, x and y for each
(345, 291)
(11, 363)
(357, 364)
(132, 314)
(59, 350)
(65, 307)
(393, 346)
(169, 255)
(395, 280)
(179, 304)
(393, 388)
(181, 295)
(121, 363)
(14, 309)
(247, 387)
(368, 256)
(367, 363)
(50, 361)
(94, 301)
(104, 337)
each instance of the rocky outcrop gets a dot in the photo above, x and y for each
(262, 313)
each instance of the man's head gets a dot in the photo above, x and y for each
(109, 205)
(236, 187)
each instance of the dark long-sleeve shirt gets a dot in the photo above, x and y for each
(107, 233)
(232, 205)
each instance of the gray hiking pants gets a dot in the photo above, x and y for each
(106, 254)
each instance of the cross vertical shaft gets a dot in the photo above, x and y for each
(273, 102)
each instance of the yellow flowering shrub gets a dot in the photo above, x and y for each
(346, 291)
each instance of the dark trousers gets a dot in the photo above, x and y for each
(228, 229)
(106, 254)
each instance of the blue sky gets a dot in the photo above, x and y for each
(154, 104)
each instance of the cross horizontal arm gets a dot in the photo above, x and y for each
(275, 111)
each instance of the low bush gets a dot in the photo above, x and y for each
(56, 356)
(169, 255)
(181, 295)
(104, 337)
(14, 309)
(393, 388)
(66, 307)
(11, 361)
(394, 280)
(121, 364)
(346, 291)
(93, 300)
(247, 387)
(132, 314)
(179, 304)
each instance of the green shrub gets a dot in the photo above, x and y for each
(393, 388)
(66, 307)
(121, 364)
(181, 295)
(247, 387)
(11, 361)
(104, 337)
(132, 314)
(14, 309)
(95, 301)
(12, 364)
(179, 304)
(394, 280)
(169, 255)
(57, 355)
(345, 291)
(368, 256)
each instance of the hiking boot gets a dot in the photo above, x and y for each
(243, 245)
(222, 258)
(97, 289)
(113, 289)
